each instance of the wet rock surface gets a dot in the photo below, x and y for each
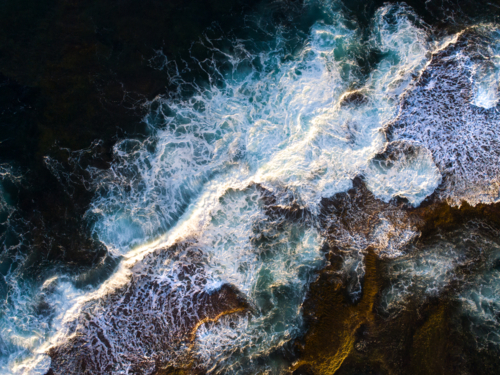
(414, 313)
(353, 98)
(147, 324)
(438, 113)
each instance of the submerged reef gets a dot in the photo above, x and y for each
(369, 310)
(419, 313)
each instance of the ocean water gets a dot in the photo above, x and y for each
(225, 191)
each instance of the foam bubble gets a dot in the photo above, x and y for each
(404, 170)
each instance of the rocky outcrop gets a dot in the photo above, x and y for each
(147, 324)
(438, 113)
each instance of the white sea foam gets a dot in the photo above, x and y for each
(183, 209)
(281, 125)
(271, 266)
(407, 171)
(286, 125)
(421, 274)
(234, 243)
(438, 112)
(464, 262)
(28, 324)
(480, 302)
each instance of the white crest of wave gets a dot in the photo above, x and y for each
(283, 124)
(26, 330)
(282, 121)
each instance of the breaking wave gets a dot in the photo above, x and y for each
(220, 217)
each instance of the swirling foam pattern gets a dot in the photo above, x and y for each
(213, 275)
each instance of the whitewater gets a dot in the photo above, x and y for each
(224, 197)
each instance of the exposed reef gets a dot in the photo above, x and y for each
(146, 323)
(440, 113)
(353, 98)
